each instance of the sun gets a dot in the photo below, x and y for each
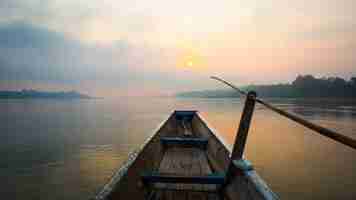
(190, 60)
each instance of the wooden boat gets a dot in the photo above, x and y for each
(185, 159)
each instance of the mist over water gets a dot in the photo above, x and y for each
(68, 149)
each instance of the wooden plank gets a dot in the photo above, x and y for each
(184, 142)
(186, 167)
(205, 169)
(165, 167)
(215, 179)
(196, 169)
(183, 174)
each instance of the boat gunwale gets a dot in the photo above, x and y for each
(108, 187)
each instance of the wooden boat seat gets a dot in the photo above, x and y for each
(184, 142)
(156, 177)
(184, 169)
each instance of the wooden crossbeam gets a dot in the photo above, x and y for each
(184, 114)
(155, 177)
(189, 142)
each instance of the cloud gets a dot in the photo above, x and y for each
(32, 53)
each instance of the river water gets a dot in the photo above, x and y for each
(67, 149)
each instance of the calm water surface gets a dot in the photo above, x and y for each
(67, 149)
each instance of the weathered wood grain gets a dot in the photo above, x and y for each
(184, 142)
(188, 162)
(185, 162)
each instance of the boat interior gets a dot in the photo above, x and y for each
(184, 171)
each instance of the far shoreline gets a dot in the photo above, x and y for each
(36, 94)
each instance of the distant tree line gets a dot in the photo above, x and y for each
(302, 86)
(27, 94)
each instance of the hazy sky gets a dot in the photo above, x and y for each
(159, 46)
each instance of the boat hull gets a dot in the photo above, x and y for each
(211, 154)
